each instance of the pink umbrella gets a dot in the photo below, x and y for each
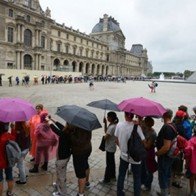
(15, 109)
(142, 107)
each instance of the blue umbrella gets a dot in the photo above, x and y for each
(79, 117)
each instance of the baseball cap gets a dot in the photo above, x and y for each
(180, 114)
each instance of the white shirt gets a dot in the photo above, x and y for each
(123, 132)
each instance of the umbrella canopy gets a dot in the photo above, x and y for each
(142, 107)
(104, 104)
(15, 109)
(79, 117)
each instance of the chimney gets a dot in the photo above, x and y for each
(105, 22)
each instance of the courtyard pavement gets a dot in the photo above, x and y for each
(171, 95)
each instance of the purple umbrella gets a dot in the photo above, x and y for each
(142, 107)
(15, 109)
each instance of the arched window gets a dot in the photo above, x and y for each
(28, 37)
(27, 61)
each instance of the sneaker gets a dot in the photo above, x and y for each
(144, 188)
(103, 181)
(33, 159)
(19, 182)
(56, 194)
(176, 184)
(87, 185)
(9, 193)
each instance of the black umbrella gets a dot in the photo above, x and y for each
(79, 117)
(104, 104)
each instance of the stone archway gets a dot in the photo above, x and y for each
(93, 69)
(98, 69)
(107, 70)
(74, 65)
(27, 62)
(56, 64)
(87, 68)
(81, 67)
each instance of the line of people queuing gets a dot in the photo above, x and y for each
(44, 135)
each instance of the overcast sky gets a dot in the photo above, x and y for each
(166, 28)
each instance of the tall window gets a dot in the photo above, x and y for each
(67, 49)
(58, 47)
(28, 3)
(43, 40)
(28, 37)
(59, 33)
(27, 62)
(74, 50)
(28, 18)
(10, 34)
(11, 13)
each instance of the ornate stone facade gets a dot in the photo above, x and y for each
(30, 39)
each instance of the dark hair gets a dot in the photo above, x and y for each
(113, 116)
(129, 115)
(149, 122)
(183, 108)
(168, 114)
(39, 106)
(4, 127)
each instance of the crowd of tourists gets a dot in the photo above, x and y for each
(56, 79)
(45, 138)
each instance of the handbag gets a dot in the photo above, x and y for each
(102, 144)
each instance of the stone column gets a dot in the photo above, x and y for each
(18, 33)
(39, 61)
(18, 60)
(21, 60)
(22, 33)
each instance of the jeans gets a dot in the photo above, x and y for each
(136, 170)
(110, 171)
(146, 175)
(21, 165)
(164, 171)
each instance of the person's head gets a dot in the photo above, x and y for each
(129, 116)
(21, 126)
(39, 108)
(112, 117)
(4, 127)
(167, 116)
(183, 108)
(43, 117)
(149, 122)
(180, 114)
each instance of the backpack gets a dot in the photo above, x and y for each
(178, 144)
(135, 147)
(13, 152)
(156, 84)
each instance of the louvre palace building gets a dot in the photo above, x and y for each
(30, 39)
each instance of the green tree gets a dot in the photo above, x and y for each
(188, 73)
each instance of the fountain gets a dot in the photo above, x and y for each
(161, 77)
